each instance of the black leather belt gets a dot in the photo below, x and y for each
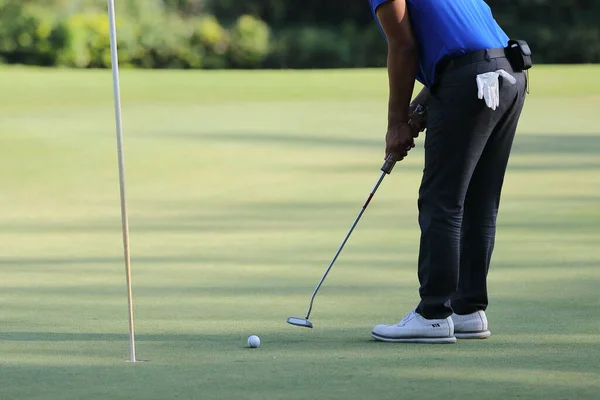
(477, 56)
(470, 58)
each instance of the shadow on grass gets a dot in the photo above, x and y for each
(285, 139)
(569, 143)
(563, 224)
(354, 344)
(388, 257)
(240, 217)
(525, 143)
(301, 379)
(115, 337)
(220, 294)
(287, 216)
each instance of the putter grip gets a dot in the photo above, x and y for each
(389, 164)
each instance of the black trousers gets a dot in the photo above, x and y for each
(467, 148)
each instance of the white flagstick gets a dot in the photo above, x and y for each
(124, 218)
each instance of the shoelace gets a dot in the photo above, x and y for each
(407, 318)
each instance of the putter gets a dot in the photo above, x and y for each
(386, 169)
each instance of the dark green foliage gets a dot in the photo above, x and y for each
(89, 44)
(211, 41)
(249, 42)
(259, 33)
(559, 31)
(30, 35)
(282, 13)
(323, 47)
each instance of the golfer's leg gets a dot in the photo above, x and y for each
(458, 128)
(482, 203)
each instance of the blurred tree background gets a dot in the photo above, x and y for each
(259, 33)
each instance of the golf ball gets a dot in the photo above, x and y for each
(253, 341)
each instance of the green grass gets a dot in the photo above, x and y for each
(241, 186)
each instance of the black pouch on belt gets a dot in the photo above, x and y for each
(519, 55)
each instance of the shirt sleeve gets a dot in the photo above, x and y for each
(375, 4)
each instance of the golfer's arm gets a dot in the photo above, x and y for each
(402, 61)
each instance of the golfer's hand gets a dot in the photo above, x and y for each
(399, 140)
(418, 122)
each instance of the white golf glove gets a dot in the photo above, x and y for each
(489, 88)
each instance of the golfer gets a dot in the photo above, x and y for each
(474, 91)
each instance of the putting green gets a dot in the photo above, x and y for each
(241, 186)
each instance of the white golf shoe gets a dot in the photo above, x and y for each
(471, 326)
(415, 329)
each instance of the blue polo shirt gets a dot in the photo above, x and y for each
(449, 28)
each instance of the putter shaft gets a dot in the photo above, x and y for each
(386, 170)
(387, 167)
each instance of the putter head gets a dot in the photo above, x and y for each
(299, 322)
